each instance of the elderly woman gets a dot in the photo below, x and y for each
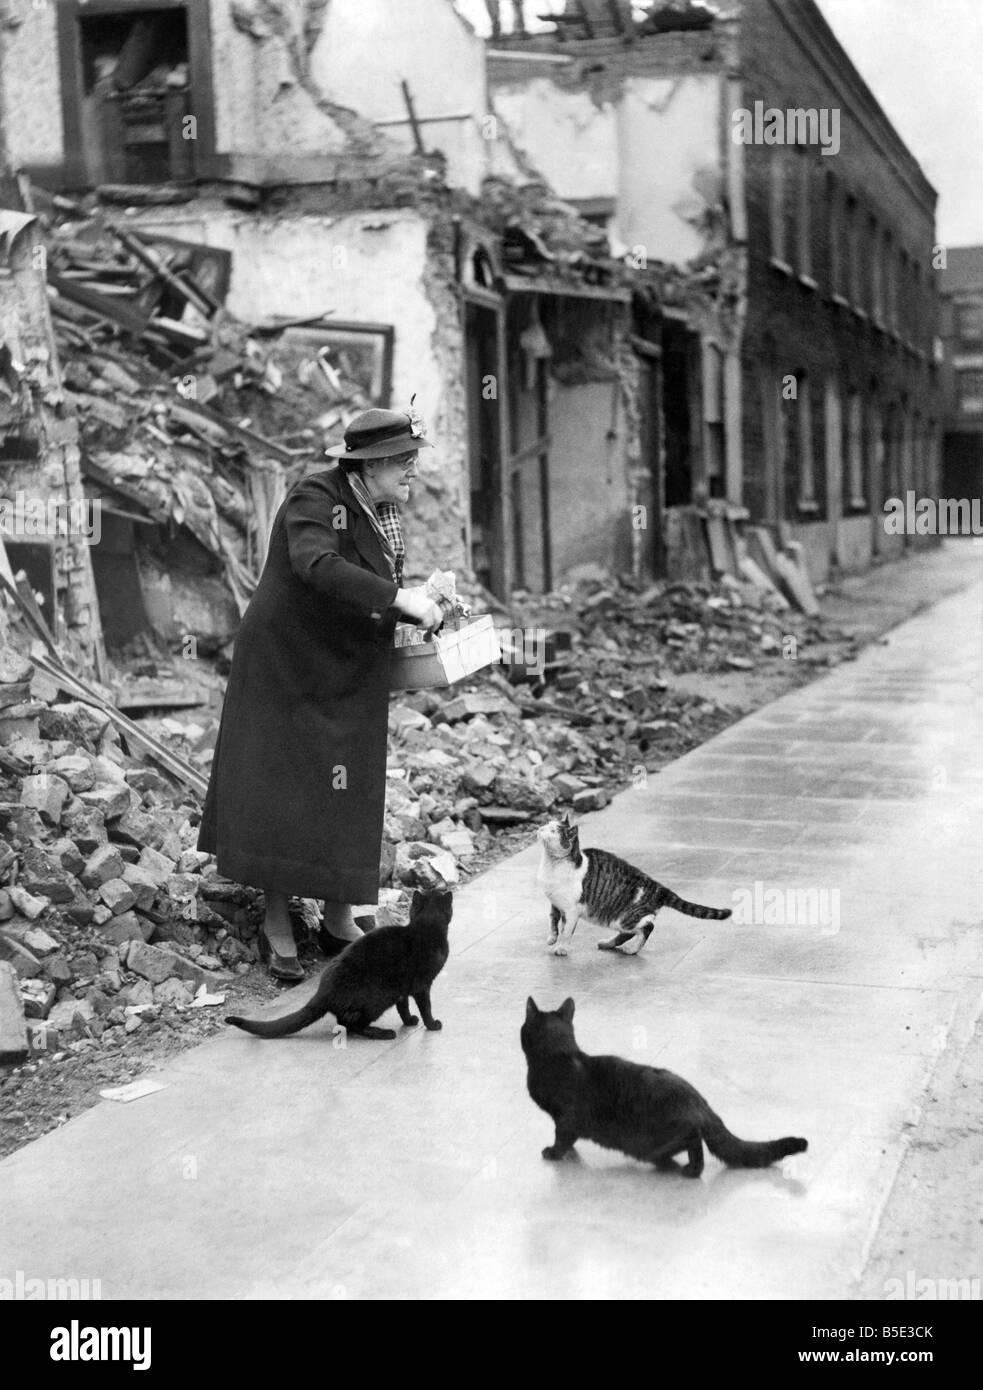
(297, 793)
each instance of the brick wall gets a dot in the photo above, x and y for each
(795, 326)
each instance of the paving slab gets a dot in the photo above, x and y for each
(318, 1167)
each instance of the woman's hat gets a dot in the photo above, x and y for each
(379, 434)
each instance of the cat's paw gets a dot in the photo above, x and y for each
(551, 939)
(552, 1153)
(434, 1026)
(559, 950)
(410, 1022)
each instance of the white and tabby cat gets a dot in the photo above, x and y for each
(604, 890)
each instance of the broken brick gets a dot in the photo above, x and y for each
(58, 970)
(86, 827)
(112, 799)
(40, 942)
(124, 927)
(26, 902)
(41, 873)
(155, 865)
(46, 794)
(79, 910)
(139, 828)
(102, 865)
(117, 894)
(153, 963)
(66, 853)
(143, 885)
(13, 1032)
(76, 769)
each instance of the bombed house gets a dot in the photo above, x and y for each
(635, 324)
(249, 240)
(739, 161)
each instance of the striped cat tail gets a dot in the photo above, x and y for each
(743, 1153)
(716, 914)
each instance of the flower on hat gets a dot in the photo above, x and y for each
(417, 428)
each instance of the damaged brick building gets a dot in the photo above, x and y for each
(595, 293)
(403, 233)
(803, 388)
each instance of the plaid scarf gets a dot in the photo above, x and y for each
(386, 523)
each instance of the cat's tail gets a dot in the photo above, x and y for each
(315, 1008)
(743, 1153)
(717, 914)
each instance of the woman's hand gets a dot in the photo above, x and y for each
(415, 605)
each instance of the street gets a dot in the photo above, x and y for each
(412, 1169)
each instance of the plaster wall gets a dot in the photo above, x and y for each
(30, 87)
(654, 149)
(590, 504)
(364, 50)
(669, 170)
(369, 267)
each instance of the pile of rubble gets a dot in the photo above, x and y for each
(108, 913)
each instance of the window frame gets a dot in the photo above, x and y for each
(200, 76)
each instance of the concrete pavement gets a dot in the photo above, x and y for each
(412, 1169)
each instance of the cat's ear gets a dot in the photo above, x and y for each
(417, 898)
(566, 1010)
(566, 818)
(531, 1010)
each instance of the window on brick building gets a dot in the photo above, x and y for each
(833, 236)
(918, 454)
(804, 176)
(904, 297)
(778, 200)
(969, 390)
(876, 271)
(797, 442)
(855, 450)
(852, 221)
(969, 321)
(890, 284)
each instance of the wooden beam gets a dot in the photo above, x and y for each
(411, 113)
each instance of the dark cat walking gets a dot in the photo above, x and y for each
(389, 966)
(601, 888)
(642, 1111)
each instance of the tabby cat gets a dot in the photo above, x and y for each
(645, 1112)
(601, 888)
(388, 966)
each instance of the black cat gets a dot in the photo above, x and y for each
(386, 967)
(642, 1111)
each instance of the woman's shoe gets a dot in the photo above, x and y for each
(286, 968)
(330, 945)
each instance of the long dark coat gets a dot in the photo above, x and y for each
(297, 792)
